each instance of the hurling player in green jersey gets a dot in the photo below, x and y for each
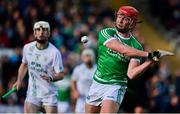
(119, 56)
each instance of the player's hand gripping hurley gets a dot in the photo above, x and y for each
(156, 55)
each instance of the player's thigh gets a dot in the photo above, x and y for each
(92, 109)
(109, 106)
(113, 98)
(31, 108)
(94, 98)
(50, 103)
(50, 109)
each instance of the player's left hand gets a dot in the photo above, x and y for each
(155, 55)
(48, 79)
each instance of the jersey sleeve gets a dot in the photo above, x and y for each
(58, 64)
(75, 75)
(24, 58)
(106, 35)
(138, 46)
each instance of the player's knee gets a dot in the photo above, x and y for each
(92, 109)
(109, 106)
(51, 109)
(26, 108)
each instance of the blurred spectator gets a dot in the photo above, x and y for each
(138, 110)
(177, 82)
(64, 92)
(4, 41)
(164, 71)
(167, 11)
(8, 29)
(158, 93)
(56, 38)
(174, 104)
(82, 79)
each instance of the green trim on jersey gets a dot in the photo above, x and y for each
(112, 66)
(44, 47)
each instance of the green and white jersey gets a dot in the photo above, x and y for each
(44, 62)
(112, 66)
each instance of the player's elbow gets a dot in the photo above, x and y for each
(131, 74)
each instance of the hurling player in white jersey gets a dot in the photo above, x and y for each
(44, 65)
(82, 79)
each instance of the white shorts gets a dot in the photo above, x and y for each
(99, 92)
(63, 107)
(80, 105)
(50, 100)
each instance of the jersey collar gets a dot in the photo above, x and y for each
(122, 36)
(43, 48)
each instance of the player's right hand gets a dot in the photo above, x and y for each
(75, 95)
(17, 85)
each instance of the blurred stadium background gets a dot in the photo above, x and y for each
(158, 90)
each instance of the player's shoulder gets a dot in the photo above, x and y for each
(53, 48)
(94, 66)
(136, 43)
(79, 67)
(134, 39)
(107, 33)
(108, 30)
(30, 45)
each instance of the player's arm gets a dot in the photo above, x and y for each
(75, 93)
(55, 77)
(58, 68)
(106, 37)
(116, 45)
(21, 74)
(73, 85)
(74, 90)
(58, 76)
(135, 68)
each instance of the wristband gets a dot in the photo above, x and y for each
(149, 55)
